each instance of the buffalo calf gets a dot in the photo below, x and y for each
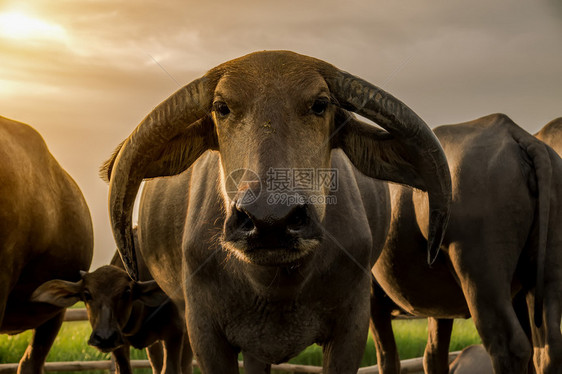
(124, 313)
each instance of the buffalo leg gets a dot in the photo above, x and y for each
(155, 353)
(215, 356)
(33, 360)
(186, 355)
(255, 366)
(122, 359)
(436, 355)
(520, 307)
(4, 292)
(547, 339)
(381, 328)
(551, 324)
(212, 351)
(343, 353)
(487, 289)
(173, 347)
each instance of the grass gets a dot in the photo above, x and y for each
(70, 344)
(411, 336)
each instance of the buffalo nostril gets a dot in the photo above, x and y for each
(106, 342)
(114, 338)
(94, 340)
(298, 218)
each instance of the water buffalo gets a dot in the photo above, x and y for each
(45, 233)
(269, 257)
(549, 342)
(551, 134)
(472, 360)
(502, 239)
(124, 313)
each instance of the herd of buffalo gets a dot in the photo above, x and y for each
(458, 222)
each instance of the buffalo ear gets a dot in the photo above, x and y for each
(58, 292)
(149, 293)
(178, 154)
(375, 152)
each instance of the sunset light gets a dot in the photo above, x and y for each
(17, 25)
(84, 73)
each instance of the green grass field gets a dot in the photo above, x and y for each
(70, 344)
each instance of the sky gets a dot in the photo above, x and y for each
(84, 73)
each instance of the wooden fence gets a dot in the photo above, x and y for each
(411, 366)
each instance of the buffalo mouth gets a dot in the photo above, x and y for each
(106, 345)
(106, 348)
(282, 236)
(271, 255)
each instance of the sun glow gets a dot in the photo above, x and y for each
(17, 25)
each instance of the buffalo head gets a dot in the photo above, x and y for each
(276, 112)
(108, 294)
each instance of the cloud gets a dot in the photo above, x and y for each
(450, 62)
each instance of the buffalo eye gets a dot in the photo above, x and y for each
(127, 294)
(221, 108)
(319, 106)
(87, 295)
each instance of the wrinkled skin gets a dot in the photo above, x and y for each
(45, 233)
(124, 313)
(504, 181)
(255, 275)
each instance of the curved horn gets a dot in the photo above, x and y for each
(184, 107)
(425, 152)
